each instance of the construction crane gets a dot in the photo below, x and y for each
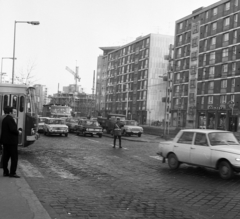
(75, 74)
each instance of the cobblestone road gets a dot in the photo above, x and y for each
(84, 177)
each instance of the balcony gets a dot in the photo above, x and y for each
(210, 91)
(212, 61)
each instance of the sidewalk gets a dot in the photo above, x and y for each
(18, 201)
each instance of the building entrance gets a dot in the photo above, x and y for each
(233, 122)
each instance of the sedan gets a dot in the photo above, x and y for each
(216, 149)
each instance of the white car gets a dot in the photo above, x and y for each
(55, 126)
(214, 149)
(131, 128)
(41, 122)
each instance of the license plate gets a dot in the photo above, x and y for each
(31, 138)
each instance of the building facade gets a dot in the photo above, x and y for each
(131, 82)
(206, 78)
(42, 96)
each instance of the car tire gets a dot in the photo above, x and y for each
(139, 135)
(66, 134)
(100, 135)
(225, 170)
(173, 162)
(45, 133)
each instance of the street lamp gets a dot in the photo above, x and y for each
(14, 39)
(2, 67)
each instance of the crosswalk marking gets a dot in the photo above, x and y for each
(29, 170)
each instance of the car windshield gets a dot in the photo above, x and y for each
(55, 121)
(222, 138)
(132, 122)
(74, 120)
(92, 123)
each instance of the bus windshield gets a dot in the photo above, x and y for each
(31, 101)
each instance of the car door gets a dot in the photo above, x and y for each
(200, 150)
(182, 147)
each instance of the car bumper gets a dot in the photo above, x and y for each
(236, 168)
(93, 132)
(58, 132)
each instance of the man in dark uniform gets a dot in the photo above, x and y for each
(117, 133)
(9, 139)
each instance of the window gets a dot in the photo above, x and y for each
(206, 15)
(179, 52)
(204, 73)
(233, 82)
(224, 84)
(212, 56)
(210, 85)
(226, 21)
(205, 44)
(194, 56)
(225, 53)
(234, 66)
(180, 39)
(225, 68)
(201, 139)
(203, 86)
(215, 11)
(192, 83)
(195, 28)
(213, 41)
(202, 100)
(232, 98)
(225, 37)
(234, 50)
(236, 2)
(206, 28)
(235, 18)
(223, 99)
(227, 6)
(234, 36)
(211, 72)
(210, 99)
(180, 26)
(214, 26)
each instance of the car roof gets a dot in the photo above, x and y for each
(203, 130)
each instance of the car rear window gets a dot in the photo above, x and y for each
(186, 138)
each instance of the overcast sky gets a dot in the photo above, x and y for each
(71, 32)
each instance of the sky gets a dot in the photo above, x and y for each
(71, 32)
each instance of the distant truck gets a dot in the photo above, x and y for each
(108, 122)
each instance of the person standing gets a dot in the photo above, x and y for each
(1, 146)
(9, 139)
(117, 133)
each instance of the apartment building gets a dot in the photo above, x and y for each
(130, 79)
(206, 77)
(42, 96)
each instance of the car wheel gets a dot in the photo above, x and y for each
(100, 135)
(66, 134)
(45, 133)
(173, 162)
(139, 135)
(225, 170)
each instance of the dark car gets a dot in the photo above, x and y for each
(71, 123)
(89, 127)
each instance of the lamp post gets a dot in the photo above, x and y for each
(14, 42)
(127, 100)
(2, 67)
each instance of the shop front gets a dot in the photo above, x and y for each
(217, 119)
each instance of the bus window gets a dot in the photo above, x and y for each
(14, 103)
(5, 101)
(21, 104)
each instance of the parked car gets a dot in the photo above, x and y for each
(216, 149)
(55, 126)
(41, 122)
(131, 128)
(89, 127)
(72, 123)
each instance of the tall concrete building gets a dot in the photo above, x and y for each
(129, 78)
(42, 96)
(206, 91)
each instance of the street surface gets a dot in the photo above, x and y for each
(84, 177)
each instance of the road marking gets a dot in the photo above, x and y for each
(156, 157)
(92, 140)
(29, 170)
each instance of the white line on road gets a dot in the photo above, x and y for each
(156, 157)
(29, 170)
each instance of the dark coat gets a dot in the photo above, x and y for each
(9, 131)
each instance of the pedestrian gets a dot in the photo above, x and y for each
(9, 139)
(1, 146)
(117, 133)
